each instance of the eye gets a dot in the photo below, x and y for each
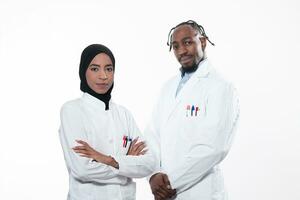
(175, 46)
(109, 69)
(187, 42)
(94, 69)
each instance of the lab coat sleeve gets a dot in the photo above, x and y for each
(210, 139)
(83, 169)
(136, 166)
(152, 134)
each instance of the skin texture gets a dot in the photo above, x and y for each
(161, 187)
(137, 149)
(100, 77)
(188, 45)
(100, 73)
(85, 150)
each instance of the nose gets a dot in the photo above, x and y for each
(102, 74)
(181, 51)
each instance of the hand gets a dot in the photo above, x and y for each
(136, 149)
(85, 150)
(161, 187)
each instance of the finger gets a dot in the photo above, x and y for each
(158, 195)
(171, 193)
(143, 152)
(86, 156)
(162, 194)
(134, 141)
(174, 192)
(82, 142)
(82, 152)
(141, 148)
(165, 192)
(79, 147)
(137, 145)
(166, 181)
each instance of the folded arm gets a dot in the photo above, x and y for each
(83, 169)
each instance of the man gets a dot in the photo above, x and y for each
(193, 123)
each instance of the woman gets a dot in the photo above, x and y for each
(101, 143)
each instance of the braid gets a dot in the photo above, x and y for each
(194, 25)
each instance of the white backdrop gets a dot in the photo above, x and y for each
(257, 43)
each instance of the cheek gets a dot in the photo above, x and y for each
(111, 78)
(199, 52)
(176, 55)
(89, 77)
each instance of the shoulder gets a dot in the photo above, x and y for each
(70, 107)
(122, 110)
(220, 88)
(217, 82)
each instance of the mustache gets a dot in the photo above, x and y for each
(185, 56)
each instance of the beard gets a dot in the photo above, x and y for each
(190, 69)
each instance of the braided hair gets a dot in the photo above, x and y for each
(194, 25)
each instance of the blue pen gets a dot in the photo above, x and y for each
(126, 140)
(192, 110)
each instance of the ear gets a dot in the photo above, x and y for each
(203, 42)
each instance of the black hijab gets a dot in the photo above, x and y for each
(87, 56)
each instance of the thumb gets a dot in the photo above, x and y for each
(166, 181)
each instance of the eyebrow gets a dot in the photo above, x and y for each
(183, 39)
(95, 65)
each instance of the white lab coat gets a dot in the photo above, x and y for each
(191, 147)
(87, 120)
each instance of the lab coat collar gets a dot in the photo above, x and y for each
(95, 102)
(203, 69)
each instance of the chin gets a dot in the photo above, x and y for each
(187, 66)
(101, 92)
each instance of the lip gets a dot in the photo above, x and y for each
(102, 85)
(185, 59)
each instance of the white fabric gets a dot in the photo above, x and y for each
(191, 147)
(87, 120)
(183, 80)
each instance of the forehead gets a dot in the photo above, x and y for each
(101, 58)
(182, 32)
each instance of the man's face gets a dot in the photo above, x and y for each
(100, 74)
(187, 45)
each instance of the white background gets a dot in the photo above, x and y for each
(257, 47)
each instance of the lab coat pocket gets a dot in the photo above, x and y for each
(194, 109)
(195, 121)
(125, 143)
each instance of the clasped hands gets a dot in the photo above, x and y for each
(160, 184)
(161, 187)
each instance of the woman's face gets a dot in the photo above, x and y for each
(100, 73)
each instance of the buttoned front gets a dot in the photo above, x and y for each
(192, 132)
(86, 119)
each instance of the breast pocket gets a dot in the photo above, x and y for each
(194, 110)
(125, 142)
(194, 117)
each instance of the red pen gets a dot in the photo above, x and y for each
(124, 141)
(188, 108)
